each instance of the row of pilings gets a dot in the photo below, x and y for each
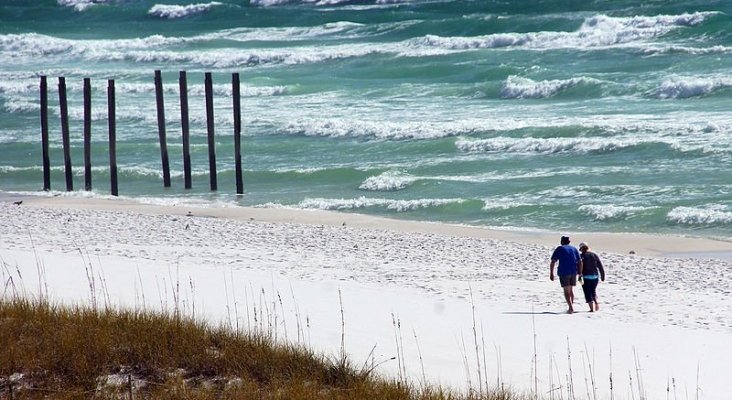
(112, 135)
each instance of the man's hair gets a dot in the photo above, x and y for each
(564, 240)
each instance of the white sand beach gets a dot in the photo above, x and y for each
(460, 306)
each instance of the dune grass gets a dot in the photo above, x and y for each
(71, 352)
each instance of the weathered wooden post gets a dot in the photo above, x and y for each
(161, 128)
(185, 129)
(87, 135)
(44, 134)
(235, 91)
(210, 125)
(112, 137)
(65, 133)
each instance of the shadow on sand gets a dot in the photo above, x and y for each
(538, 312)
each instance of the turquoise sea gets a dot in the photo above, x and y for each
(562, 115)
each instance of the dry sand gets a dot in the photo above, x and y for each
(668, 314)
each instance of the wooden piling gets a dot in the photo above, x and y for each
(112, 138)
(185, 129)
(210, 125)
(235, 91)
(44, 134)
(161, 128)
(87, 135)
(65, 133)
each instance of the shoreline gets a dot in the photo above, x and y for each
(638, 244)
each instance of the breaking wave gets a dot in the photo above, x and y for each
(545, 145)
(388, 181)
(713, 215)
(596, 31)
(602, 212)
(523, 88)
(364, 202)
(685, 87)
(176, 11)
(81, 5)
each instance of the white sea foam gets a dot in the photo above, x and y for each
(178, 11)
(81, 5)
(662, 48)
(377, 129)
(37, 45)
(711, 215)
(268, 3)
(16, 105)
(685, 87)
(545, 145)
(489, 205)
(32, 44)
(523, 88)
(364, 202)
(18, 86)
(602, 212)
(226, 58)
(290, 33)
(388, 181)
(596, 31)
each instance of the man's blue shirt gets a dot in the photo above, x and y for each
(568, 256)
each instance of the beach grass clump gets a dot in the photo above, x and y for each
(54, 351)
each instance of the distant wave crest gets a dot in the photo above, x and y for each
(176, 11)
(595, 31)
(523, 88)
(713, 215)
(388, 181)
(602, 212)
(80, 5)
(543, 145)
(686, 87)
(270, 3)
(364, 202)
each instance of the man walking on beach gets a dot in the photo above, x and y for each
(569, 263)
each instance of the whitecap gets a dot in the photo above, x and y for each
(268, 3)
(711, 215)
(685, 87)
(81, 5)
(545, 145)
(523, 88)
(364, 202)
(595, 32)
(602, 212)
(388, 181)
(177, 11)
(505, 204)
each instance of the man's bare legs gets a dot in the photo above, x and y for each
(569, 298)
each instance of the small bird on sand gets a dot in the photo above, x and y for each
(17, 203)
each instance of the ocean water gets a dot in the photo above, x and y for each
(558, 115)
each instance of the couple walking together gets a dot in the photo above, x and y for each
(572, 264)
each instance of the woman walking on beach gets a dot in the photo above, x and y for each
(588, 271)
